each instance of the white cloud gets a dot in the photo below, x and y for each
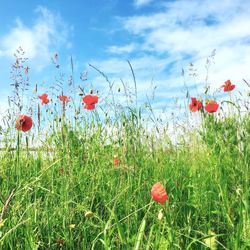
(122, 49)
(186, 35)
(146, 66)
(180, 28)
(40, 40)
(140, 3)
(165, 41)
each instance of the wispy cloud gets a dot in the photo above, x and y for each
(140, 3)
(180, 34)
(122, 49)
(180, 28)
(48, 33)
(167, 39)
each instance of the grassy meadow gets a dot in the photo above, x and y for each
(81, 179)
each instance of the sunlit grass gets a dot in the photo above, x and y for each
(70, 193)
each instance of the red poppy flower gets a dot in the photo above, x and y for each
(116, 161)
(158, 193)
(44, 98)
(195, 105)
(90, 101)
(23, 123)
(228, 86)
(63, 98)
(211, 106)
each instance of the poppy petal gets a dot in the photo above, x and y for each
(212, 106)
(89, 106)
(90, 99)
(158, 193)
(24, 123)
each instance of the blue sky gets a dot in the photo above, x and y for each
(158, 37)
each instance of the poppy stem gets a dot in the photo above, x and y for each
(62, 122)
(149, 206)
(39, 117)
(18, 154)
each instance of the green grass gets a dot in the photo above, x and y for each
(207, 179)
(45, 194)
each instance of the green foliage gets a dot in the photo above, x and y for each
(207, 182)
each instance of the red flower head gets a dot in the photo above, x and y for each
(116, 161)
(228, 86)
(90, 101)
(63, 98)
(211, 106)
(44, 98)
(158, 193)
(195, 105)
(24, 123)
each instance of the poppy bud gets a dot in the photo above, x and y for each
(89, 214)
